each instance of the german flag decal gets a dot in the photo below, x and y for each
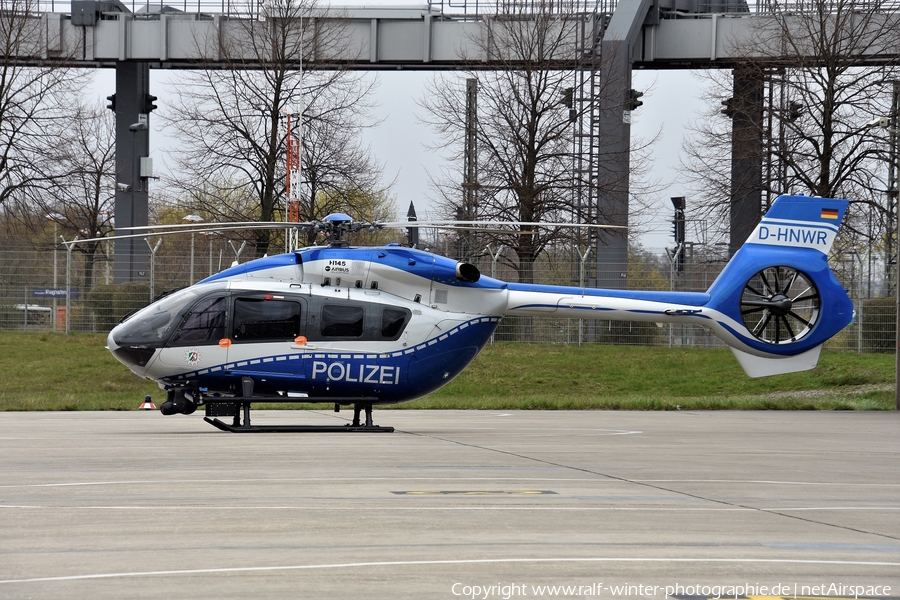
(829, 213)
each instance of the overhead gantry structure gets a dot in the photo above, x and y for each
(613, 38)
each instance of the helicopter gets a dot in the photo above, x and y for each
(368, 326)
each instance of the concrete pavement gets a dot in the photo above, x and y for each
(454, 504)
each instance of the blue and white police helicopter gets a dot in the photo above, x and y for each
(366, 326)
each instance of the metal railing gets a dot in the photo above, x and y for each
(473, 8)
(231, 8)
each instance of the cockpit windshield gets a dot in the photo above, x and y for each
(152, 325)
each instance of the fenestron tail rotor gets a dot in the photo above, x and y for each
(780, 305)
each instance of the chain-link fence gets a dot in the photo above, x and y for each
(33, 287)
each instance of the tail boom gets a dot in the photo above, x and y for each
(775, 303)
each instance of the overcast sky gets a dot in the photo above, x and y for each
(399, 141)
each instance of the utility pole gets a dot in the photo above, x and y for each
(891, 237)
(469, 210)
(892, 122)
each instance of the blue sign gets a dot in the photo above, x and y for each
(53, 292)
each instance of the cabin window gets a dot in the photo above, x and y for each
(204, 324)
(263, 320)
(342, 320)
(392, 322)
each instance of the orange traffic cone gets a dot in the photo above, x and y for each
(147, 405)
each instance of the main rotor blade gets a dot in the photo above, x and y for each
(447, 224)
(483, 230)
(218, 228)
(235, 224)
(433, 224)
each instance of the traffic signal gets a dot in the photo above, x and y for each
(149, 107)
(678, 232)
(112, 103)
(568, 100)
(678, 220)
(633, 101)
(730, 109)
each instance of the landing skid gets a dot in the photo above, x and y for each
(237, 407)
(298, 428)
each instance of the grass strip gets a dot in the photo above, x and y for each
(50, 371)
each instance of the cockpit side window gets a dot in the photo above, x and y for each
(266, 320)
(152, 325)
(204, 324)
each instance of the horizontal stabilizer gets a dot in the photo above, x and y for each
(758, 366)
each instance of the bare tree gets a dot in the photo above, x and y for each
(77, 181)
(522, 132)
(525, 129)
(230, 120)
(34, 100)
(821, 68)
(339, 173)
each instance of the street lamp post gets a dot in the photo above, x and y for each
(55, 217)
(69, 247)
(891, 239)
(153, 250)
(209, 235)
(193, 219)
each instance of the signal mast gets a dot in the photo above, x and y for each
(292, 172)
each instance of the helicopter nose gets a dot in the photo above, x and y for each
(133, 357)
(111, 344)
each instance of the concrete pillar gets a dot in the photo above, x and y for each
(132, 143)
(613, 166)
(746, 111)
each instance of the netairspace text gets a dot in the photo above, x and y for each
(521, 590)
